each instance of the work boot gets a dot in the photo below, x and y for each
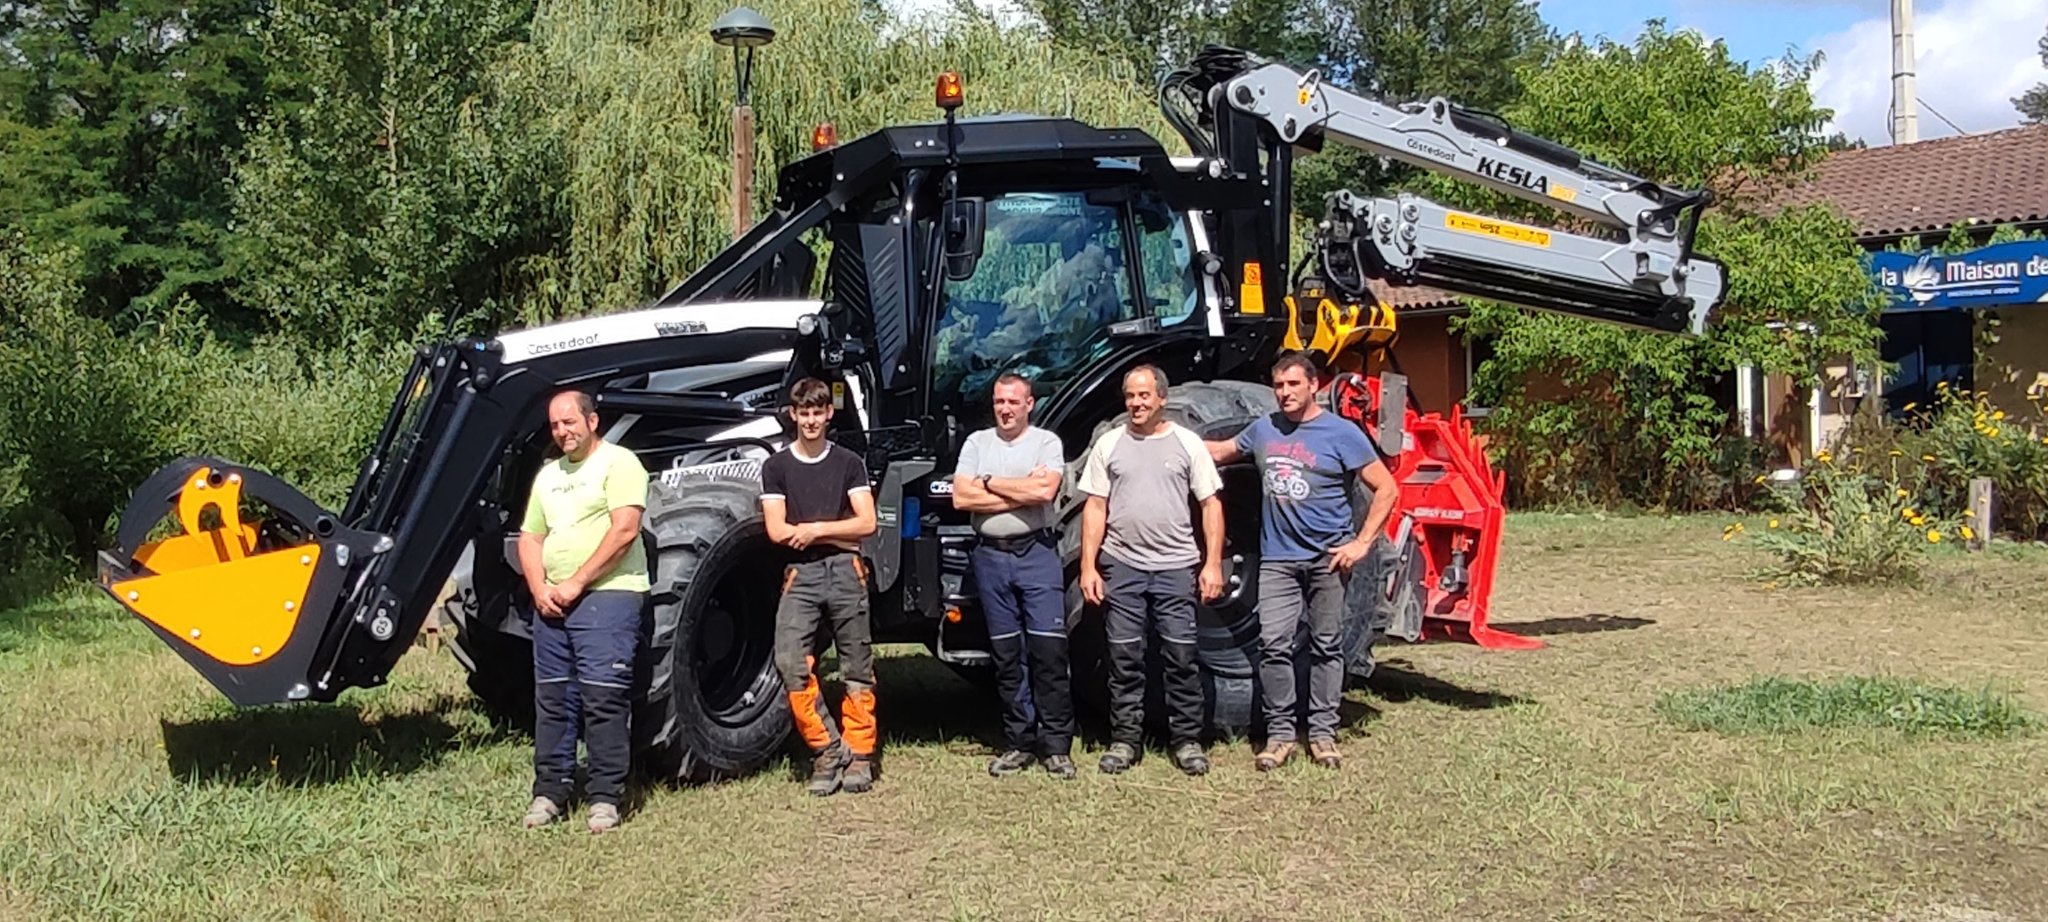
(541, 812)
(1276, 754)
(826, 770)
(1191, 758)
(1119, 758)
(1060, 766)
(603, 817)
(860, 776)
(1010, 763)
(1325, 754)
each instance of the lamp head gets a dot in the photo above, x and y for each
(742, 27)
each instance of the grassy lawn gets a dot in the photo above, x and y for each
(1480, 785)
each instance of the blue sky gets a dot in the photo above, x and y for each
(1971, 56)
(1754, 31)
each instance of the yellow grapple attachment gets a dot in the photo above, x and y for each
(1347, 335)
(245, 602)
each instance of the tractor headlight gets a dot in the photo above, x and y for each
(807, 324)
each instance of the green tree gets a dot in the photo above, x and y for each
(634, 100)
(119, 122)
(2033, 104)
(1637, 419)
(387, 191)
(1468, 51)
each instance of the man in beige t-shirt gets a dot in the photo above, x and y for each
(1140, 560)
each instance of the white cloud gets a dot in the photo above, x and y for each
(1971, 56)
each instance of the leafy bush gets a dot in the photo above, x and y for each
(1781, 705)
(1961, 437)
(93, 412)
(1849, 527)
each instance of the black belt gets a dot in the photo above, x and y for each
(1018, 543)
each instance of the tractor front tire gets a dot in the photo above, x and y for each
(714, 706)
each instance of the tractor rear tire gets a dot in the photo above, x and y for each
(714, 706)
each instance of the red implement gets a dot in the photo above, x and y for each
(1454, 498)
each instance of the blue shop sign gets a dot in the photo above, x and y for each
(1993, 276)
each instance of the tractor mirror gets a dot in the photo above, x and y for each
(965, 226)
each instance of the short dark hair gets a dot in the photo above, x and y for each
(810, 392)
(1011, 377)
(1298, 359)
(585, 404)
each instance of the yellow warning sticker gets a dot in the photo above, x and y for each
(1563, 193)
(1251, 292)
(838, 395)
(1513, 233)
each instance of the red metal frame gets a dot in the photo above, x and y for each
(1455, 499)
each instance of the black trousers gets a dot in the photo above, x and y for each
(1023, 596)
(593, 647)
(1140, 602)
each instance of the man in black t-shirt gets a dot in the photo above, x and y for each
(816, 500)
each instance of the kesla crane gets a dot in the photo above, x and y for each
(952, 251)
(1242, 114)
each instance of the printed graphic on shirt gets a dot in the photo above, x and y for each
(1309, 469)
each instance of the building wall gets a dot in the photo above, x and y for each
(1434, 360)
(2013, 371)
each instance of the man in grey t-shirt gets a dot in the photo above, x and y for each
(1138, 554)
(1007, 477)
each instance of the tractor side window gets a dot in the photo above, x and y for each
(1169, 254)
(1051, 278)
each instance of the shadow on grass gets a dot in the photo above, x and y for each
(318, 744)
(70, 617)
(1393, 682)
(1583, 624)
(919, 699)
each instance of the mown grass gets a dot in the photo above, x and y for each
(1783, 705)
(1479, 785)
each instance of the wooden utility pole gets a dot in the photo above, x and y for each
(742, 169)
(1981, 512)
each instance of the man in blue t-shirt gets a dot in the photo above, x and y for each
(1307, 545)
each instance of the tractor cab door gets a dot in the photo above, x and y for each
(1061, 277)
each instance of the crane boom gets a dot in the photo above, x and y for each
(1637, 268)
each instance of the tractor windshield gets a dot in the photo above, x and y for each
(1052, 276)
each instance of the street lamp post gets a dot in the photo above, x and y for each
(742, 30)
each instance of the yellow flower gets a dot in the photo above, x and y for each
(1910, 405)
(1927, 458)
(1902, 493)
(1760, 477)
(1968, 535)
(1907, 513)
(1933, 537)
(1774, 523)
(1919, 520)
(1992, 432)
(1969, 513)
(1897, 453)
(1941, 385)
(1998, 414)
(1823, 457)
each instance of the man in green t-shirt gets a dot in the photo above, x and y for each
(580, 550)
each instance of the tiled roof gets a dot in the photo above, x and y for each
(1993, 178)
(1411, 297)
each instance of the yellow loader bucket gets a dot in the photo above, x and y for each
(245, 602)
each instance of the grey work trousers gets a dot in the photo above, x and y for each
(1286, 587)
